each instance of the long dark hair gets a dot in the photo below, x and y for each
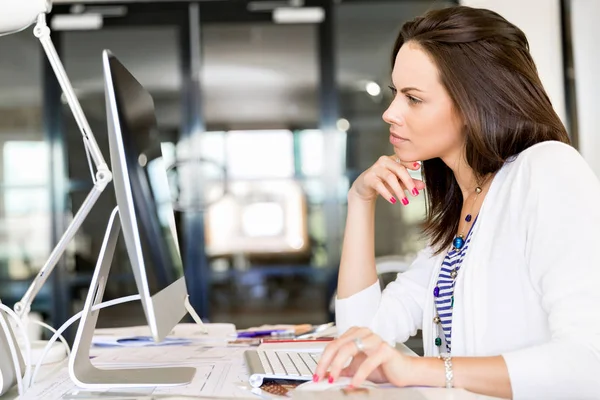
(485, 66)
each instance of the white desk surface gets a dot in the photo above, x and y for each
(58, 371)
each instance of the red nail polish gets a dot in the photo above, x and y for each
(415, 192)
(405, 201)
(416, 165)
(330, 380)
(315, 378)
(393, 200)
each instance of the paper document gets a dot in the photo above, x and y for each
(223, 379)
(156, 356)
(136, 341)
(182, 334)
(220, 371)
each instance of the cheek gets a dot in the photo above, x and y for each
(435, 131)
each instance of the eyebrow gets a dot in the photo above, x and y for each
(408, 89)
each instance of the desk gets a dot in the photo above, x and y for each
(221, 372)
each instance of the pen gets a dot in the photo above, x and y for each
(321, 339)
(268, 332)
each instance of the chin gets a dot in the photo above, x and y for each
(407, 155)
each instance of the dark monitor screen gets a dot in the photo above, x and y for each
(147, 179)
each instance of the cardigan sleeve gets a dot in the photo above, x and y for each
(563, 256)
(394, 314)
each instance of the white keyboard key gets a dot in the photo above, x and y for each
(275, 363)
(289, 366)
(265, 362)
(302, 368)
(309, 361)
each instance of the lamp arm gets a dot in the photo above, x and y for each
(42, 32)
(102, 178)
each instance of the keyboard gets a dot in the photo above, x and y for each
(272, 364)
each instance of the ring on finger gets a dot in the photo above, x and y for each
(359, 344)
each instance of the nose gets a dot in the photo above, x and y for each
(393, 114)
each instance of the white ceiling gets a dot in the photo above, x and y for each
(252, 73)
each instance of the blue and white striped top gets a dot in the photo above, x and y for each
(444, 302)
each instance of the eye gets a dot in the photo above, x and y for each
(413, 100)
(393, 89)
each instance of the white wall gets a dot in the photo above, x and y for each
(540, 20)
(585, 28)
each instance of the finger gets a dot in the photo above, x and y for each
(348, 351)
(391, 181)
(333, 348)
(402, 174)
(419, 184)
(398, 168)
(384, 192)
(372, 362)
(350, 370)
(412, 165)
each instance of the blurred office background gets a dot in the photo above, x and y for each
(265, 123)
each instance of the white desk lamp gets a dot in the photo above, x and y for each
(15, 16)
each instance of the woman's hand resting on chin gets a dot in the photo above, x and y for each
(389, 178)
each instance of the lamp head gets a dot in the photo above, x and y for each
(16, 15)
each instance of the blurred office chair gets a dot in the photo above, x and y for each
(388, 268)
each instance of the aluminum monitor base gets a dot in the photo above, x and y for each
(81, 369)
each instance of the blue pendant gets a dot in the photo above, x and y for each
(458, 242)
(468, 218)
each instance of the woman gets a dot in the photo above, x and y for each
(507, 291)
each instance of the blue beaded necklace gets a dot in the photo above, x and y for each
(459, 240)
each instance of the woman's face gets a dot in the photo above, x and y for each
(423, 123)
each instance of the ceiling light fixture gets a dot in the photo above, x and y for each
(300, 15)
(76, 22)
(373, 88)
(343, 125)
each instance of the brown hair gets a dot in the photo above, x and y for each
(485, 66)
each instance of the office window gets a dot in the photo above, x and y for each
(24, 208)
(313, 160)
(24, 230)
(25, 163)
(260, 154)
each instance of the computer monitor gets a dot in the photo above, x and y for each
(145, 216)
(144, 199)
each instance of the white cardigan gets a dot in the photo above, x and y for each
(529, 286)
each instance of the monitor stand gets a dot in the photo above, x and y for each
(81, 370)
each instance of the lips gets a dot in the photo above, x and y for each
(395, 139)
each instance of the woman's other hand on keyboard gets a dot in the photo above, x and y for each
(372, 359)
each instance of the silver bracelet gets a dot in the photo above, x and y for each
(448, 366)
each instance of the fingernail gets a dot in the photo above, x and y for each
(330, 380)
(351, 387)
(405, 201)
(416, 165)
(393, 200)
(415, 192)
(315, 378)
